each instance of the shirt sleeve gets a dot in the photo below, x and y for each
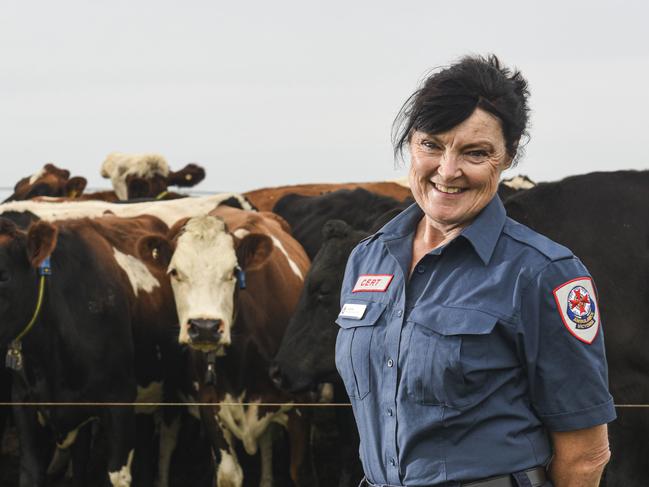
(564, 348)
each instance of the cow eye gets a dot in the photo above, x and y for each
(173, 273)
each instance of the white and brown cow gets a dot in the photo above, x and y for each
(48, 181)
(236, 328)
(106, 332)
(146, 175)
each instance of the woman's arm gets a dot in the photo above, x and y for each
(579, 457)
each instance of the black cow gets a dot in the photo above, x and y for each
(307, 214)
(603, 217)
(99, 306)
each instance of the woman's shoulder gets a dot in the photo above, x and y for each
(527, 237)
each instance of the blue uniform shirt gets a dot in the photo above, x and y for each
(458, 372)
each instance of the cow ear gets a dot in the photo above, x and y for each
(253, 251)
(7, 227)
(41, 241)
(155, 250)
(188, 176)
(138, 188)
(75, 186)
(335, 229)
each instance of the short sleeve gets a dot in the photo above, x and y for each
(564, 348)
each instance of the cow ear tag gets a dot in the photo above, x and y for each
(241, 277)
(578, 308)
(14, 357)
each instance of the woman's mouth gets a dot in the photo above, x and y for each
(447, 189)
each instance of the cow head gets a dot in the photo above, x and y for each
(49, 181)
(312, 327)
(20, 255)
(146, 175)
(203, 260)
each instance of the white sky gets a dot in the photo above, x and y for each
(282, 92)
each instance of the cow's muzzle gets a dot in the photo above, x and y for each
(205, 331)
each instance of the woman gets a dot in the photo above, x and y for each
(470, 345)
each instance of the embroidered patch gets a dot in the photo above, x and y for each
(372, 283)
(353, 311)
(578, 308)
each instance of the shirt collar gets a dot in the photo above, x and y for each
(483, 233)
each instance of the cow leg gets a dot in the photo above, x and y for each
(34, 447)
(143, 470)
(120, 427)
(228, 472)
(168, 440)
(302, 468)
(266, 454)
(80, 456)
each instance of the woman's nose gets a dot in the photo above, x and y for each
(449, 166)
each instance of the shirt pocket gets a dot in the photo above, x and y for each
(353, 346)
(449, 358)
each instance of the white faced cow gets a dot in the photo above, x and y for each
(236, 326)
(146, 175)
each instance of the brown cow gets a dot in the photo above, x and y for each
(264, 199)
(105, 333)
(238, 329)
(48, 181)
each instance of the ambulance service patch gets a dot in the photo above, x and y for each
(372, 283)
(578, 308)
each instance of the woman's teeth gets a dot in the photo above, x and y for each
(447, 189)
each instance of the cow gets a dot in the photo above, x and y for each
(169, 211)
(264, 199)
(146, 175)
(603, 217)
(86, 322)
(48, 181)
(511, 186)
(307, 214)
(235, 324)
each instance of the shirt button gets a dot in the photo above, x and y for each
(393, 462)
(421, 269)
(399, 313)
(390, 362)
(389, 411)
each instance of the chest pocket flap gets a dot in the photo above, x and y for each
(353, 345)
(450, 321)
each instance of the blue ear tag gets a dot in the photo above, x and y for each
(241, 277)
(45, 269)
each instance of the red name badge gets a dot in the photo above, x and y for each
(372, 283)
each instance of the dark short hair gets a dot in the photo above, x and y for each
(450, 95)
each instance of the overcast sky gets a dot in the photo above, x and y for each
(273, 92)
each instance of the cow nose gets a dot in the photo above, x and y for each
(276, 375)
(201, 330)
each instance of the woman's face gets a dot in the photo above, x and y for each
(454, 174)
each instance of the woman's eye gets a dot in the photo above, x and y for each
(430, 145)
(477, 155)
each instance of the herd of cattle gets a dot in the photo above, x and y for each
(117, 305)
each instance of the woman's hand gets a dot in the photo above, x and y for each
(579, 457)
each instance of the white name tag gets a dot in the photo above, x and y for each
(372, 283)
(353, 311)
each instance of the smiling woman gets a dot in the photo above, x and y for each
(453, 315)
